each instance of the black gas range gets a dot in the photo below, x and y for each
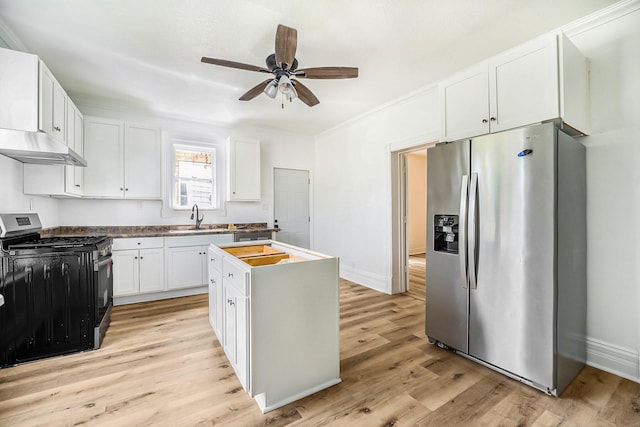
(57, 291)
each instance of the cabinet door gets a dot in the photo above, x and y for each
(52, 105)
(185, 267)
(236, 332)
(103, 151)
(142, 163)
(151, 270)
(230, 328)
(74, 141)
(523, 85)
(78, 179)
(126, 273)
(464, 104)
(244, 170)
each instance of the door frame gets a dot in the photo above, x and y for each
(399, 223)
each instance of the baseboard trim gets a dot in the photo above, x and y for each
(374, 281)
(614, 359)
(155, 296)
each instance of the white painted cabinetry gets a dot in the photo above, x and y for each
(544, 79)
(31, 99)
(243, 167)
(123, 160)
(138, 266)
(215, 291)
(187, 261)
(53, 104)
(280, 318)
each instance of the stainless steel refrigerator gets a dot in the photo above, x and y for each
(506, 253)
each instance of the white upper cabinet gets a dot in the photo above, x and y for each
(142, 162)
(59, 180)
(123, 160)
(544, 79)
(53, 104)
(31, 99)
(243, 168)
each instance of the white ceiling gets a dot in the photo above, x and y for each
(146, 53)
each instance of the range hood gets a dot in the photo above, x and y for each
(37, 147)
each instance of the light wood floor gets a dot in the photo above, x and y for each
(161, 365)
(417, 271)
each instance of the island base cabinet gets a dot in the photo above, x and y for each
(295, 337)
(281, 319)
(235, 333)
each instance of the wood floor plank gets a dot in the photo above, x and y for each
(161, 365)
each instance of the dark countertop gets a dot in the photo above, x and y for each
(154, 230)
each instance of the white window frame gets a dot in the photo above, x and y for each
(219, 156)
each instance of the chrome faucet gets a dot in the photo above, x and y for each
(197, 216)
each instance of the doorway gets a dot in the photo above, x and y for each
(408, 243)
(416, 224)
(291, 206)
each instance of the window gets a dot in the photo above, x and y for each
(194, 177)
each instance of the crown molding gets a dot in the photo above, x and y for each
(9, 37)
(601, 17)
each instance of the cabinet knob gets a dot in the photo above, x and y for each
(126, 189)
(493, 119)
(77, 185)
(135, 257)
(56, 128)
(212, 259)
(230, 275)
(141, 257)
(484, 120)
(121, 188)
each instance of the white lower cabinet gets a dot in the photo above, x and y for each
(138, 266)
(186, 258)
(215, 291)
(186, 267)
(280, 318)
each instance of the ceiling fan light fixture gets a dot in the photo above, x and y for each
(285, 86)
(271, 90)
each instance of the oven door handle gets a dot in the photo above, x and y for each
(98, 264)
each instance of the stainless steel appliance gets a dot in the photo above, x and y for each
(58, 291)
(506, 253)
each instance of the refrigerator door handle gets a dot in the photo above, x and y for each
(471, 247)
(462, 231)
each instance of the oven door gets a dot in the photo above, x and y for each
(103, 285)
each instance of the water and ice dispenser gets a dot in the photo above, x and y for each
(445, 236)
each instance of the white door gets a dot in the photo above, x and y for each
(291, 206)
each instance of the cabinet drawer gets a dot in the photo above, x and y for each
(138, 243)
(235, 276)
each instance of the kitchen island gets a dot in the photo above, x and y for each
(275, 310)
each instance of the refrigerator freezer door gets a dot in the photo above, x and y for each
(447, 293)
(512, 311)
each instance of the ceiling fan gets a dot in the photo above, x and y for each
(284, 67)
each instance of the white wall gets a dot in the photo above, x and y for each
(12, 199)
(352, 193)
(278, 149)
(613, 193)
(417, 202)
(352, 201)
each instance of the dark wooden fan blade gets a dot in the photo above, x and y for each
(286, 45)
(305, 94)
(233, 64)
(255, 91)
(328, 73)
